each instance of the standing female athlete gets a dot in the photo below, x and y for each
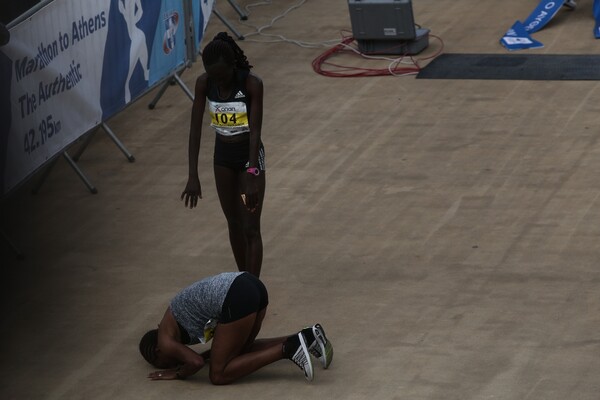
(235, 104)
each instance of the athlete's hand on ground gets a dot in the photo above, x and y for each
(165, 375)
(192, 192)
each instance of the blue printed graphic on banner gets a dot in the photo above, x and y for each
(169, 49)
(597, 18)
(126, 69)
(171, 22)
(517, 38)
(542, 14)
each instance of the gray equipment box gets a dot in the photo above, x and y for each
(386, 27)
(382, 19)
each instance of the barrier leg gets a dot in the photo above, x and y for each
(174, 79)
(242, 14)
(73, 165)
(116, 140)
(228, 24)
(84, 146)
(161, 91)
(79, 172)
(181, 84)
(72, 161)
(43, 176)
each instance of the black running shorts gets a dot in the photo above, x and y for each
(246, 295)
(235, 155)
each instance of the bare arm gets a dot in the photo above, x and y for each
(190, 361)
(254, 86)
(193, 190)
(171, 352)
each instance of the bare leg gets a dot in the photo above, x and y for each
(228, 360)
(251, 223)
(229, 196)
(261, 344)
(244, 226)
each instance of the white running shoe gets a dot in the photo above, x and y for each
(318, 344)
(296, 350)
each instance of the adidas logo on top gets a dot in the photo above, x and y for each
(239, 95)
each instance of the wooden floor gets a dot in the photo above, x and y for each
(445, 233)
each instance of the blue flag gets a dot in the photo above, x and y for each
(542, 14)
(517, 38)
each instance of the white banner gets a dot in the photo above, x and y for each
(74, 64)
(53, 83)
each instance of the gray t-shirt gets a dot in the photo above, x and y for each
(198, 307)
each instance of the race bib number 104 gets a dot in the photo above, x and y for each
(229, 115)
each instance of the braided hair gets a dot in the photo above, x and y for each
(223, 47)
(148, 346)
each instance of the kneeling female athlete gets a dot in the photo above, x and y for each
(229, 309)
